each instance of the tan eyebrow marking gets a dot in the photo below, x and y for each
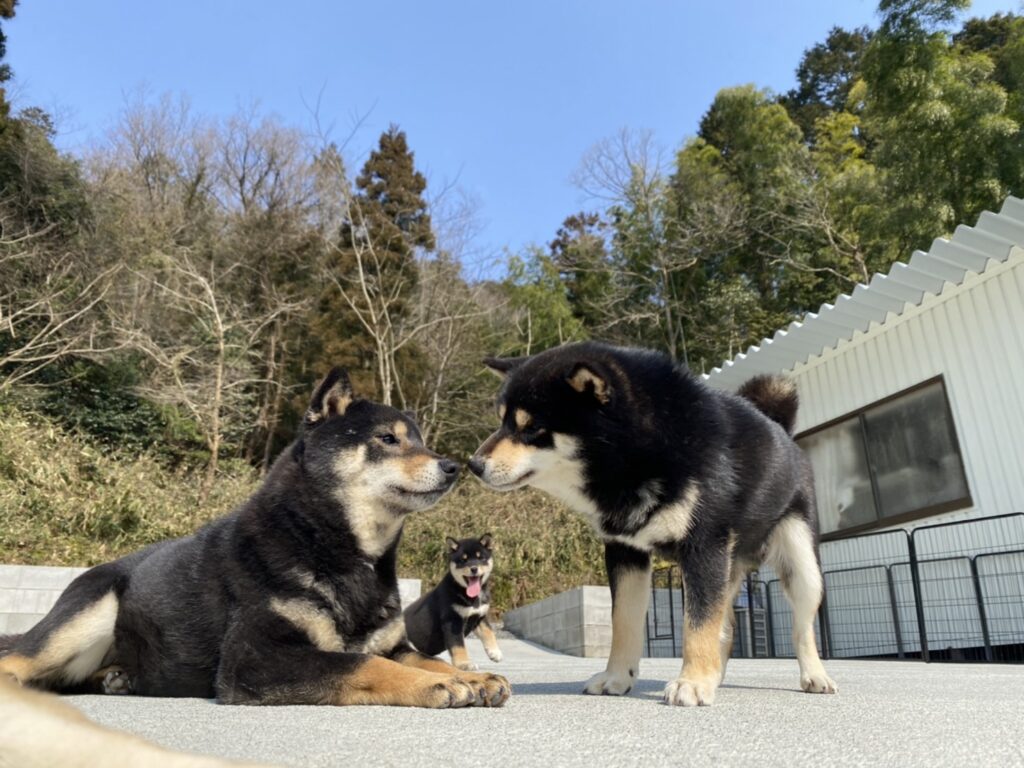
(501, 411)
(523, 419)
(401, 430)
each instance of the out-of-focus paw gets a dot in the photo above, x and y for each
(683, 692)
(116, 682)
(818, 682)
(467, 666)
(609, 683)
(494, 654)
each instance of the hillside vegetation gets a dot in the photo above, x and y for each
(66, 501)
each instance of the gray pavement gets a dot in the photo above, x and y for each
(891, 713)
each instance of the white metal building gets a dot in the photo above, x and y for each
(912, 411)
(946, 327)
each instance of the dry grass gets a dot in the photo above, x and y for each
(64, 502)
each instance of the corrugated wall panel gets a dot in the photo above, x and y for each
(972, 334)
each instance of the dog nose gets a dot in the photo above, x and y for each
(473, 570)
(449, 467)
(476, 466)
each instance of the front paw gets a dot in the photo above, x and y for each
(609, 683)
(685, 692)
(447, 693)
(818, 682)
(491, 690)
(467, 666)
(494, 654)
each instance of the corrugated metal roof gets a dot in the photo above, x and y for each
(970, 249)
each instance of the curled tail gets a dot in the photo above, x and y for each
(774, 396)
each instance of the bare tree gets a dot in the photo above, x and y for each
(202, 343)
(48, 301)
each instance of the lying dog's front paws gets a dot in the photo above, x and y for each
(494, 654)
(608, 683)
(447, 692)
(818, 682)
(467, 666)
(491, 690)
(690, 693)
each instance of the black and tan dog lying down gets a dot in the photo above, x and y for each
(291, 599)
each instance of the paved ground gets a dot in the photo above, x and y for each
(894, 713)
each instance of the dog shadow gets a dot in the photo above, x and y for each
(644, 689)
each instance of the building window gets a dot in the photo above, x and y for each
(892, 461)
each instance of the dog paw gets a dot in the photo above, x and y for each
(690, 693)
(449, 693)
(491, 690)
(467, 666)
(609, 683)
(116, 682)
(494, 654)
(818, 682)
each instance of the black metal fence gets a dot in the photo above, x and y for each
(944, 592)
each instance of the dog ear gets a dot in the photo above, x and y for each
(583, 379)
(331, 398)
(503, 366)
(486, 541)
(452, 543)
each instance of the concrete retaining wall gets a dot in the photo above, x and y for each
(577, 622)
(27, 592)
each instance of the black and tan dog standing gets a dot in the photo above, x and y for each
(660, 463)
(458, 606)
(291, 599)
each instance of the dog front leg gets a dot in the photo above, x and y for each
(706, 598)
(486, 634)
(629, 575)
(455, 642)
(492, 690)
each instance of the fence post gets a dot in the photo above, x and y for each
(823, 622)
(981, 609)
(769, 619)
(750, 616)
(895, 612)
(915, 578)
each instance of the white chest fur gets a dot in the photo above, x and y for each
(465, 611)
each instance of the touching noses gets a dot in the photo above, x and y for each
(449, 467)
(476, 466)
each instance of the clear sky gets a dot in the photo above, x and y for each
(505, 97)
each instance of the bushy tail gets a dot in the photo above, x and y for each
(774, 396)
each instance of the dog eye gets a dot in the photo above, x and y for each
(388, 439)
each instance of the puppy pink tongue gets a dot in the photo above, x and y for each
(473, 586)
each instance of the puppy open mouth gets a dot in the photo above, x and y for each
(473, 585)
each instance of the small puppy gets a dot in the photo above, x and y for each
(441, 619)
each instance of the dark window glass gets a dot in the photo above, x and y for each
(913, 452)
(842, 482)
(895, 458)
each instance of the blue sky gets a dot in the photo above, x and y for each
(503, 97)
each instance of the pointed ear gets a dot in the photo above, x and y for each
(584, 379)
(503, 366)
(486, 541)
(452, 543)
(331, 398)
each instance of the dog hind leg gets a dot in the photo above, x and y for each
(791, 552)
(74, 639)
